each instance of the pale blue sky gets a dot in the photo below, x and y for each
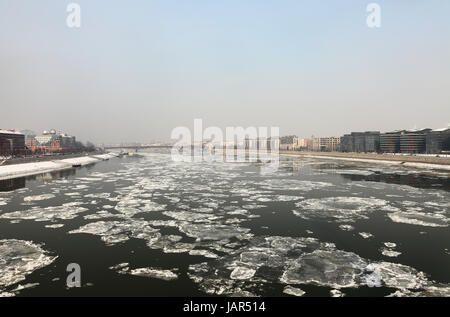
(137, 69)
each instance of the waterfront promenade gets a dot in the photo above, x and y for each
(419, 160)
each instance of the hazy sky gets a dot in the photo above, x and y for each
(137, 69)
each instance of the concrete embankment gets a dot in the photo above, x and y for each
(27, 169)
(415, 161)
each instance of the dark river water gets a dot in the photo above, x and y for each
(149, 226)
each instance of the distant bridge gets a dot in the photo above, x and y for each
(136, 147)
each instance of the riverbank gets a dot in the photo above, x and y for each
(46, 158)
(28, 169)
(416, 161)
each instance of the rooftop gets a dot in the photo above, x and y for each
(9, 132)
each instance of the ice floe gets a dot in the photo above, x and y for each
(346, 227)
(336, 293)
(39, 197)
(166, 275)
(53, 213)
(214, 232)
(55, 226)
(341, 208)
(113, 232)
(293, 291)
(365, 235)
(390, 253)
(242, 273)
(389, 250)
(18, 259)
(205, 253)
(293, 184)
(420, 218)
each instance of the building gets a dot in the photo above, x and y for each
(301, 143)
(413, 141)
(390, 142)
(52, 142)
(327, 144)
(287, 147)
(404, 141)
(12, 143)
(368, 141)
(347, 143)
(372, 141)
(264, 144)
(314, 144)
(29, 134)
(359, 141)
(288, 143)
(68, 141)
(438, 141)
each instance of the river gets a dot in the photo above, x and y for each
(149, 226)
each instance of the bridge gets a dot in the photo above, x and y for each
(136, 147)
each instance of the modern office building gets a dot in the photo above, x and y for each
(359, 141)
(372, 141)
(347, 143)
(390, 142)
(413, 141)
(12, 143)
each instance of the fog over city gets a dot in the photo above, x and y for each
(135, 72)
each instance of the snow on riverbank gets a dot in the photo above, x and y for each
(27, 169)
(364, 160)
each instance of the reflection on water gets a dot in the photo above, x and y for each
(395, 174)
(8, 185)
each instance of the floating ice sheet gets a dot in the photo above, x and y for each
(18, 259)
(53, 213)
(420, 218)
(39, 197)
(294, 291)
(390, 253)
(165, 275)
(365, 235)
(301, 261)
(340, 208)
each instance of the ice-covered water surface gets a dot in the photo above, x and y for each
(18, 259)
(303, 261)
(235, 231)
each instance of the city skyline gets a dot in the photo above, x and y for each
(134, 74)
